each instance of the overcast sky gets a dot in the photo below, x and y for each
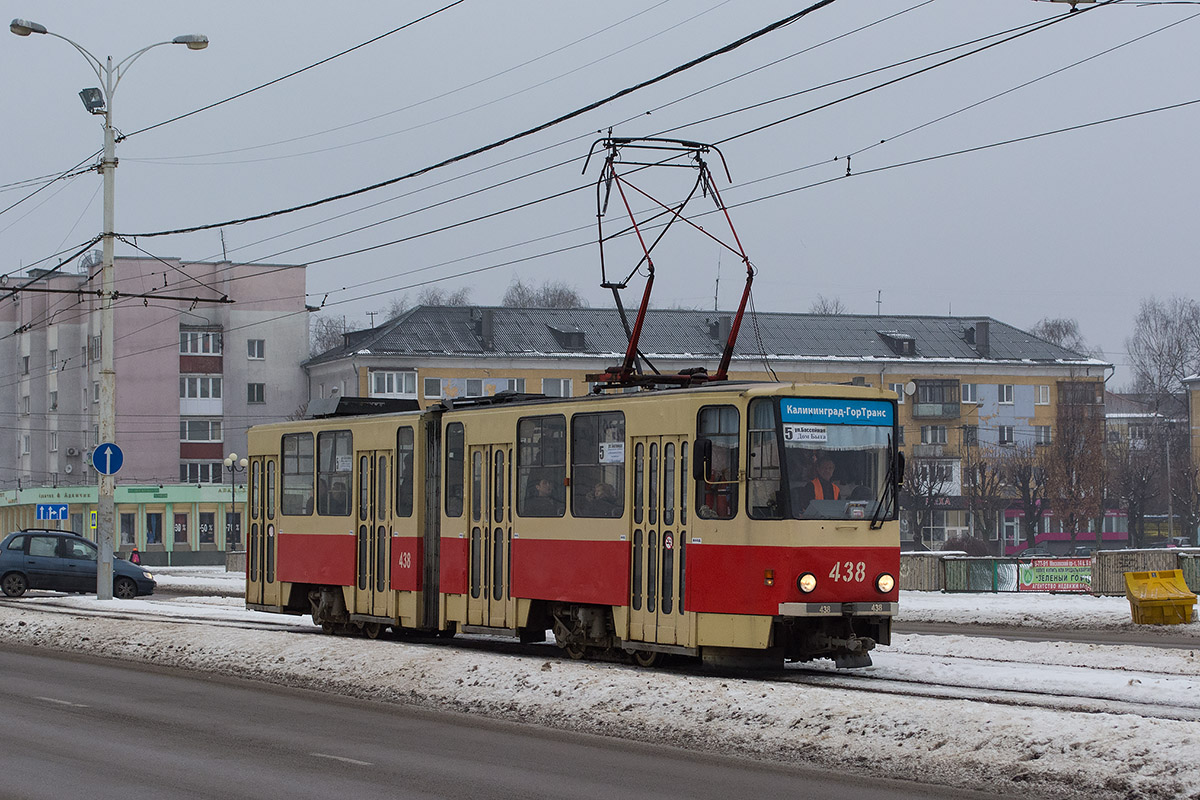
(1080, 224)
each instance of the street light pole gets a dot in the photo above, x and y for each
(235, 465)
(110, 75)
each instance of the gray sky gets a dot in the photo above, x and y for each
(1082, 224)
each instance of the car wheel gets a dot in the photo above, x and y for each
(14, 584)
(124, 589)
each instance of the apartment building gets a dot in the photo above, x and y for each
(963, 383)
(202, 352)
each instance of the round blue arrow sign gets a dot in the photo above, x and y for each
(107, 458)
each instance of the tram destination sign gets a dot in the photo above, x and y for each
(825, 411)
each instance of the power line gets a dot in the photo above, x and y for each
(293, 73)
(516, 136)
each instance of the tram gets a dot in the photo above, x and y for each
(741, 523)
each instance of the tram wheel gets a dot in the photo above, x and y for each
(372, 630)
(575, 651)
(647, 658)
(327, 627)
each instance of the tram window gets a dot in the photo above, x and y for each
(598, 465)
(668, 510)
(541, 466)
(270, 490)
(455, 462)
(683, 487)
(476, 544)
(364, 487)
(637, 570)
(335, 462)
(381, 487)
(717, 490)
(498, 488)
(476, 486)
(652, 494)
(651, 571)
(763, 476)
(639, 481)
(404, 472)
(296, 466)
(255, 488)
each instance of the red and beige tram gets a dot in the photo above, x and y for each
(729, 521)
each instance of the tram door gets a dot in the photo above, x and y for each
(373, 532)
(659, 535)
(262, 584)
(491, 535)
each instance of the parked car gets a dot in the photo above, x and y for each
(65, 562)
(1037, 551)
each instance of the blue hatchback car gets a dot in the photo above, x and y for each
(64, 562)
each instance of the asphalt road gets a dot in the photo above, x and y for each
(82, 727)
(1149, 638)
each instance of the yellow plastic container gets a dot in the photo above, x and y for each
(1159, 598)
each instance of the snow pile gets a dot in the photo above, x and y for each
(963, 741)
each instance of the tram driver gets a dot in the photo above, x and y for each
(821, 487)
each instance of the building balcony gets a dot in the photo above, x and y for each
(933, 451)
(936, 410)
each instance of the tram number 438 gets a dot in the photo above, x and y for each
(849, 571)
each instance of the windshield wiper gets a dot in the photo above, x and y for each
(888, 489)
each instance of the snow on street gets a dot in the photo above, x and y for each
(1041, 719)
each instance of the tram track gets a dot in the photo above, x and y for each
(989, 691)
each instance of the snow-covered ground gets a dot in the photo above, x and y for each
(1041, 719)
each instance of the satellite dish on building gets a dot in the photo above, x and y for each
(910, 388)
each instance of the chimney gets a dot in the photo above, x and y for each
(983, 338)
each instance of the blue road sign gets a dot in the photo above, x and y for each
(46, 511)
(107, 458)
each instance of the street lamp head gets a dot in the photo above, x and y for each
(194, 41)
(93, 100)
(230, 459)
(242, 463)
(23, 27)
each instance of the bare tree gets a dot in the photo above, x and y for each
(437, 296)
(1135, 475)
(985, 489)
(1062, 331)
(829, 306)
(1025, 473)
(926, 482)
(395, 307)
(1165, 346)
(1075, 467)
(327, 332)
(551, 294)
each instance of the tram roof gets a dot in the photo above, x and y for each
(464, 331)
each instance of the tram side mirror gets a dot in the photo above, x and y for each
(702, 463)
(899, 469)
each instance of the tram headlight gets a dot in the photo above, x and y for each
(885, 583)
(806, 582)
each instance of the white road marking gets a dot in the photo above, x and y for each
(342, 758)
(62, 702)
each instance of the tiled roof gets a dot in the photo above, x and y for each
(461, 331)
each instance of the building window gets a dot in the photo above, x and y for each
(193, 387)
(52, 441)
(256, 349)
(970, 435)
(256, 393)
(200, 343)
(181, 529)
(556, 387)
(1043, 395)
(94, 352)
(208, 527)
(970, 393)
(900, 435)
(200, 471)
(54, 401)
(25, 445)
(154, 528)
(128, 530)
(25, 365)
(385, 383)
(25, 404)
(514, 385)
(474, 387)
(95, 391)
(433, 387)
(1139, 432)
(933, 434)
(200, 430)
(53, 358)
(1041, 434)
(898, 388)
(1005, 393)
(1007, 434)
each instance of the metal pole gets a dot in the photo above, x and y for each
(1170, 511)
(105, 522)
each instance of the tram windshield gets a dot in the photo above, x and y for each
(819, 458)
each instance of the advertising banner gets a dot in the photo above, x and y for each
(1055, 575)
